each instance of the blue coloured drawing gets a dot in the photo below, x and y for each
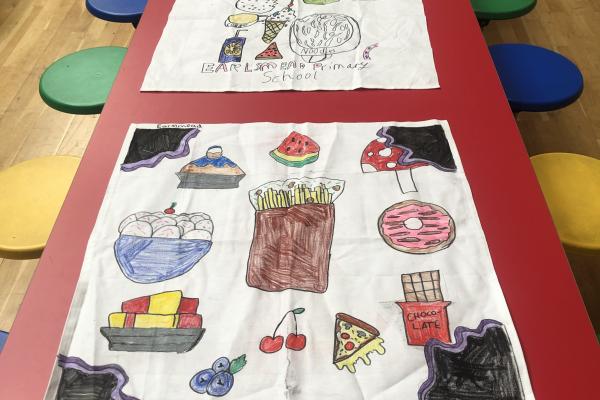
(150, 260)
(218, 161)
(213, 171)
(154, 247)
(218, 380)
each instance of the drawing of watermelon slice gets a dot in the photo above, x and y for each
(296, 150)
(270, 53)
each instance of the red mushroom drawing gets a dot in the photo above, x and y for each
(402, 149)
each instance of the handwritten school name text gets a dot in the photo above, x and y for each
(275, 72)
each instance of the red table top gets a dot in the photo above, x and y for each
(558, 340)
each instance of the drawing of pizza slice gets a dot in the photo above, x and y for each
(270, 53)
(354, 340)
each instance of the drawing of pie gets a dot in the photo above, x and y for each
(354, 340)
(213, 171)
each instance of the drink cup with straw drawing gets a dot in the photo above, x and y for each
(231, 51)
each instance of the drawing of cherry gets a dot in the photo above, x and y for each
(294, 341)
(170, 210)
(270, 344)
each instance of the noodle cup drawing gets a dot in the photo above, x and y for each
(317, 37)
(155, 247)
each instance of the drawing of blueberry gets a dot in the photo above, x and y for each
(221, 364)
(201, 380)
(218, 380)
(220, 384)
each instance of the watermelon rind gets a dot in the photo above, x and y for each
(310, 158)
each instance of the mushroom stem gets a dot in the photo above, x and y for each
(405, 181)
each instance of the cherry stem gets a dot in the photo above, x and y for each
(295, 325)
(280, 322)
(173, 205)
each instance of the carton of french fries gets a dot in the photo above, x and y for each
(293, 231)
(296, 191)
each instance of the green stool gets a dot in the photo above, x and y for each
(80, 82)
(487, 10)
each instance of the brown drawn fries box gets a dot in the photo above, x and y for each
(293, 231)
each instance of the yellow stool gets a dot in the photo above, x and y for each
(571, 186)
(31, 195)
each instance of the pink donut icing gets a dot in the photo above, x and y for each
(430, 228)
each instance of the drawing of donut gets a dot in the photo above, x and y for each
(416, 227)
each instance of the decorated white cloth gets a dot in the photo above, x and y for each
(266, 45)
(289, 261)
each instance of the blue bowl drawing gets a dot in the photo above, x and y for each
(151, 260)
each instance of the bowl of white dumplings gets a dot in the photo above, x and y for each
(157, 246)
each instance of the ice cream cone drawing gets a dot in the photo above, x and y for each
(272, 29)
(277, 21)
(255, 11)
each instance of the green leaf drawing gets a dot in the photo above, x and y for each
(237, 364)
(298, 310)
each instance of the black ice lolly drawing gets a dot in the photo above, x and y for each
(403, 148)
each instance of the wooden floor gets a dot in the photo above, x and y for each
(572, 28)
(33, 33)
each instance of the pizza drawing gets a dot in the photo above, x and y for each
(354, 340)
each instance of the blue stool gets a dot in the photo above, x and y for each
(117, 10)
(3, 337)
(536, 79)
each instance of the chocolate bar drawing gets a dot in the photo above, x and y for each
(424, 311)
